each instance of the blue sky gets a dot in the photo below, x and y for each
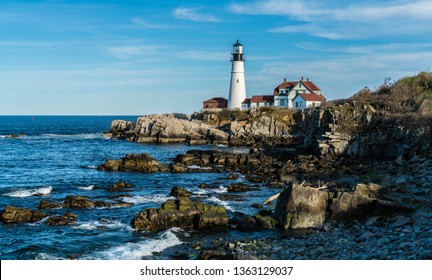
(142, 57)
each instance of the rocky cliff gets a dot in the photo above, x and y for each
(392, 122)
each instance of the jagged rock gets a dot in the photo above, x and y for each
(302, 206)
(120, 187)
(134, 162)
(47, 204)
(66, 219)
(265, 221)
(233, 176)
(240, 188)
(178, 168)
(168, 128)
(78, 202)
(12, 214)
(369, 190)
(180, 192)
(183, 213)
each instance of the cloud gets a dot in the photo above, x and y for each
(132, 51)
(338, 20)
(194, 15)
(145, 24)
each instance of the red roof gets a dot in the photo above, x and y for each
(262, 98)
(216, 100)
(311, 86)
(247, 100)
(284, 85)
(312, 97)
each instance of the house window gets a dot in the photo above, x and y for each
(296, 104)
(313, 104)
(301, 104)
(282, 103)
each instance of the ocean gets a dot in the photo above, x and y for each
(50, 157)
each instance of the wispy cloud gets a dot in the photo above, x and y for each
(341, 21)
(132, 51)
(145, 24)
(194, 15)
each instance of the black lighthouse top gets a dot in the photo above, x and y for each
(237, 53)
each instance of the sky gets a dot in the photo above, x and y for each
(141, 57)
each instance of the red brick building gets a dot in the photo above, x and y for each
(216, 102)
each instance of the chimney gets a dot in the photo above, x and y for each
(302, 78)
(284, 80)
(307, 79)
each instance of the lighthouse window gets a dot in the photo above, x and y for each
(237, 81)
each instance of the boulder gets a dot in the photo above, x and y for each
(12, 214)
(240, 188)
(66, 219)
(180, 192)
(302, 206)
(183, 213)
(134, 163)
(120, 187)
(79, 202)
(48, 204)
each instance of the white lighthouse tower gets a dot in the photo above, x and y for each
(237, 92)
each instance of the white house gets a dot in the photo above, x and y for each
(307, 100)
(285, 93)
(296, 94)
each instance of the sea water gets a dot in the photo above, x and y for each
(50, 157)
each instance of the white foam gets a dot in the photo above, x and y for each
(194, 167)
(93, 225)
(135, 251)
(90, 166)
(41, 222)
(221, 189)
(88, 188)
(221, 203)
(221, 145)
(79, 135)
(30, 192)
(141, 199)
(46, 256)
(198, 167)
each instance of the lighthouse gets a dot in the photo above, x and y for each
(237, 93)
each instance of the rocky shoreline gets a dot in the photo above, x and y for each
(353, 181)
(328, 208)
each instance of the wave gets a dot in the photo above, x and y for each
(142, 199)
(221, 203)
(30, 192)
(198, 167)
(221, 189)
(104, 224)
(89, 166)
(135, 251)
(74, 136)
(46, 256)
(88, 188)
(12, 135)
